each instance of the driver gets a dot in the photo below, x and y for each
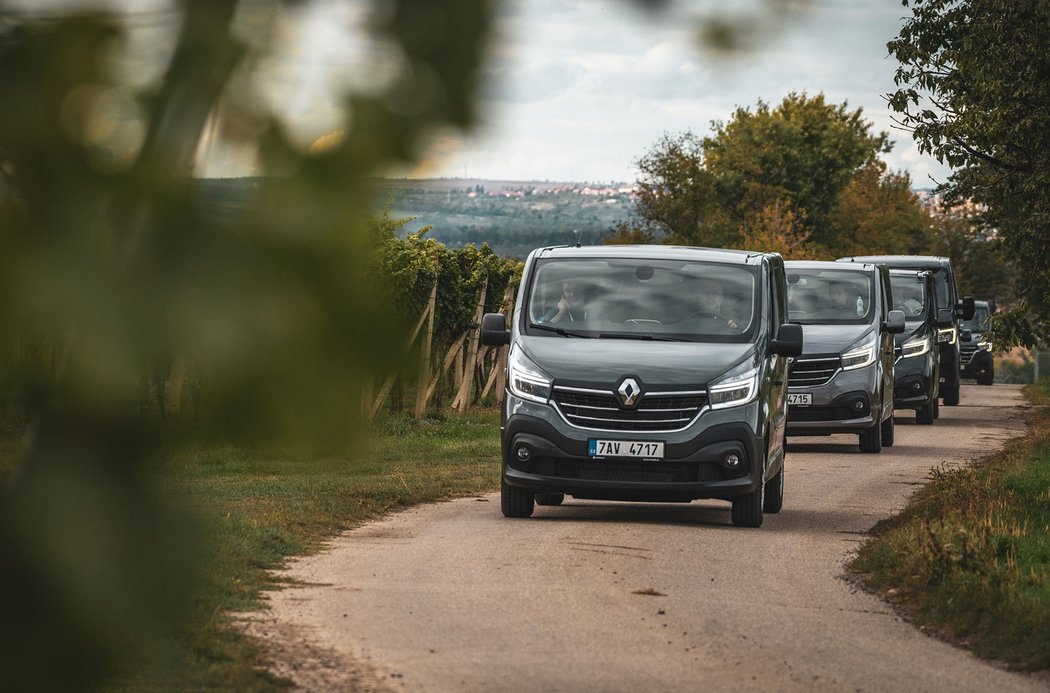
(710, 301)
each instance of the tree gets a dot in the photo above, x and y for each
(111, 268)
(803, 172)
(878, 214)
(777, 228)
(804, 150)
(675, 197)
(974, 89)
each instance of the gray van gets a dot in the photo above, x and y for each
(843, 381)
(950, 308)
(646, 373)
(917, 370)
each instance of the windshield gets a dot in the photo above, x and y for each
(829, 297)
(628, 298)
(980, 314)
(909, 295)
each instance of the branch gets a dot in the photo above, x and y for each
(988, 158)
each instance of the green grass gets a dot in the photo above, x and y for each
(266, 507)
(258, 507)
(970, 556)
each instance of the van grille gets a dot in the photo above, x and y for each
(813, 372)
(967, 351)
(602, 411)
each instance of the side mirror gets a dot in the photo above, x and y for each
(894, 322)
(944, 318)
(494, 330)
(965, 336)
(788, 341)
(965, 308)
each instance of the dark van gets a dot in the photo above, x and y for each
(975, 349)
(843, 381)
(917, 368)
(950, 308)
(646, 373)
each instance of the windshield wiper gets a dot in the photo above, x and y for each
(560, 331)
(645, 336)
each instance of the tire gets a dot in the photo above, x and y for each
(936, 409)
(926, 415)
(951, 397)
(747, 510)
(516, 502)
(549, 498)
(986, 379)
(774, 499)
(871, 439)
(887, 432)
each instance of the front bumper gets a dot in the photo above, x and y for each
(915, 381)
(845, 404)
(693, 466)
(980, 363)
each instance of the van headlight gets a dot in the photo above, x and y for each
(916, 347)
(525, 379)
(947, 335)
(984, 346)
(862, 355)
(733, 389)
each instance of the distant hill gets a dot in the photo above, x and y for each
(513, 217)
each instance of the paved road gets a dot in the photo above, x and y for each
(616, 597)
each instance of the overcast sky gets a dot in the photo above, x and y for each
(583, 88)
(580, 89)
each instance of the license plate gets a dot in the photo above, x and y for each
(648, 450)
(800, 399)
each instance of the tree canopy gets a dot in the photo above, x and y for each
(803, 178)
(973, 86)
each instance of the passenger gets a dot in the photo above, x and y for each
(569, 307)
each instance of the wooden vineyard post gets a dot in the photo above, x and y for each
(388, 384)
(462, 400)
(424, 363)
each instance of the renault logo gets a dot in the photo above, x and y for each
(629, 392)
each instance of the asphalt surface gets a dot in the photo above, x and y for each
(627, 597)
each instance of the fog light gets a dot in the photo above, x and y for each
(916, 386)
(523, 453)
(732, 460)
(858, 404)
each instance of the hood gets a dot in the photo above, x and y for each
(912, 330)
(603, 362)
(830, 339)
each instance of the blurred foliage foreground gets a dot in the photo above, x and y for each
(110, 274)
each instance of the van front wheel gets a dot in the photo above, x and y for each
(871, 439)
(747, 510)
(516, 502)
(774, 500)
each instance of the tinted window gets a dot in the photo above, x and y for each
(829, 297)
(909, 295)
(638, 298)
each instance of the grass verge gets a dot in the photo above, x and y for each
(267, 507)
(969, 559)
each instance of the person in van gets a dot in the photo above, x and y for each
(569, 307)
(710, 298)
